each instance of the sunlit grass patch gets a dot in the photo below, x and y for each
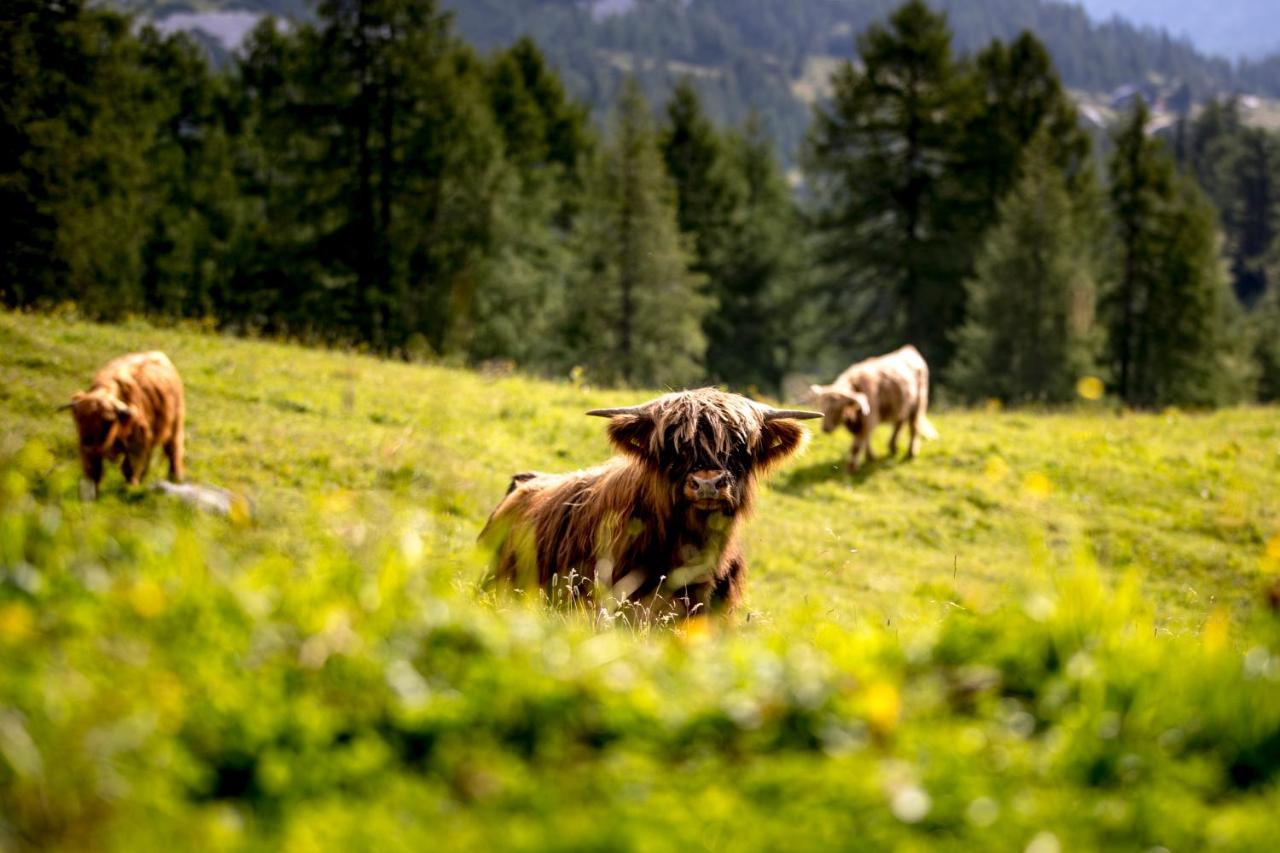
(1048, 626)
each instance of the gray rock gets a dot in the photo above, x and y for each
(206, 498)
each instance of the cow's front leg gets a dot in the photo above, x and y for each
(92, 465)
(893, 439)
(136, 464)
(855, 454)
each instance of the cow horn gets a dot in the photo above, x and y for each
(790, 414)
(609, 413)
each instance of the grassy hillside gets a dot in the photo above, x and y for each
(1048, 628)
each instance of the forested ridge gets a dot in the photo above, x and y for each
(766, 55)
(371, 178)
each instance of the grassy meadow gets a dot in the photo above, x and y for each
(1048, 632)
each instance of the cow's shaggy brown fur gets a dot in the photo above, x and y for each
(134, 405)
(891, 389)
(653, 528)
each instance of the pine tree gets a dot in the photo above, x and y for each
(377, 136)
(882, 159)
(1021, 97)
(1029, 333)
(707, 194)
(1141, 183)
(74, 134)
(763, 314)
(1168, 312)
(710, 197)
(1238, 167)
(1256, 182)
(546, 144)
(186, 257)
(1264, 333)
(1185, 352)
(636, 310)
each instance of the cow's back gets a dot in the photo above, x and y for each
(148, 382)
(893, 381)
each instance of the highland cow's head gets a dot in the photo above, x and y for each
(101, 419)
(706, 445)
(840, 406)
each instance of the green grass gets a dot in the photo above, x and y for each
(1048, 625)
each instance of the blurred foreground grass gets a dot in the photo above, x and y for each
(1048, 631)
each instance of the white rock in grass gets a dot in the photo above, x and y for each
(206, 498)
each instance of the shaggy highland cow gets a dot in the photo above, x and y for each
(891, 389)
(134, 405)
(654, 527)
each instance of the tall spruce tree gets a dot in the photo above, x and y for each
(1256, 175)
(1030, 331)
(733, 206)
(378, 134)
(1141, 184)
(1168, 313)
(882, 161)
(1020, 98)
(1238, 167)
(75, 130)
(636, 310)
(759, 327)
(1264, 328)
(546, 142)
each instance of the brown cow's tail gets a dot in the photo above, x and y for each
(925, 428)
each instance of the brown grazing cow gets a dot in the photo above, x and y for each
(653, 528)
(134, 404)
(891, 388)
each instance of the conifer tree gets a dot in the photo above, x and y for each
(546, 144)
(1264, 328)
(707, 194)
(1020, 97)
(1029, 333)
(763, 317)
(882, 156)
(636, 310)
(1169, 312)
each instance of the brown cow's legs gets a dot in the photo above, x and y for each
(173, 449)
(135, 466)
(92, 466)
(915, 434)
(893, 440)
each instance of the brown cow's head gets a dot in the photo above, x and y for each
(101, 418)
(840, 406)
(706, 445)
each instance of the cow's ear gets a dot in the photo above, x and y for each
(815, 391)
(122, 412)
(632, 434)
(778, 440)
(860, 400)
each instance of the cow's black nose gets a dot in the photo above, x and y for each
(707, 484)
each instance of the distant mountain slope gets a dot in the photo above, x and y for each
(1234, 28)
(774, 56)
